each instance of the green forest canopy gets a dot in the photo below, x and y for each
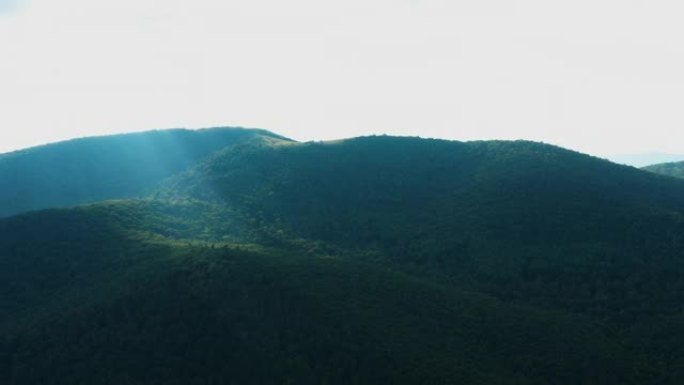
(376, 259)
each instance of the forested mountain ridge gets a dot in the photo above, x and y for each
(524, 221)
(421, 200)
(108, 167)
(92, 296)
(674, 169)
(368, 260)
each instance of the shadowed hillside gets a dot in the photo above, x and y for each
(94, 303)
(523, 219)
(369, 260)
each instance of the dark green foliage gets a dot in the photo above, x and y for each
(524, 220)
(675, 169)
(112, 167)
(381, 260)
(359, 185)
(164, 313)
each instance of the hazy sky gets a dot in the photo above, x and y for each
(600, 76)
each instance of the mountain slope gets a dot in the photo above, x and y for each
(112, 167)
(522, 221)
(109, 306)
(436, 202)
(675, 169)
(380, 259)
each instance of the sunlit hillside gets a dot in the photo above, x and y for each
(111, 167)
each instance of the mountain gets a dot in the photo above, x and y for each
(521, 221)
(675, 169)
(368, 260)
(91, 298)
(110, 167)
(517, 217)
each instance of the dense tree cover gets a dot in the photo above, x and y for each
(675, 169)
(523, 221)
(381, 260)
(494, 210)
(112, 167)
(105, 307)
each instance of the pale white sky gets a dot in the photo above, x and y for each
(599, 76)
